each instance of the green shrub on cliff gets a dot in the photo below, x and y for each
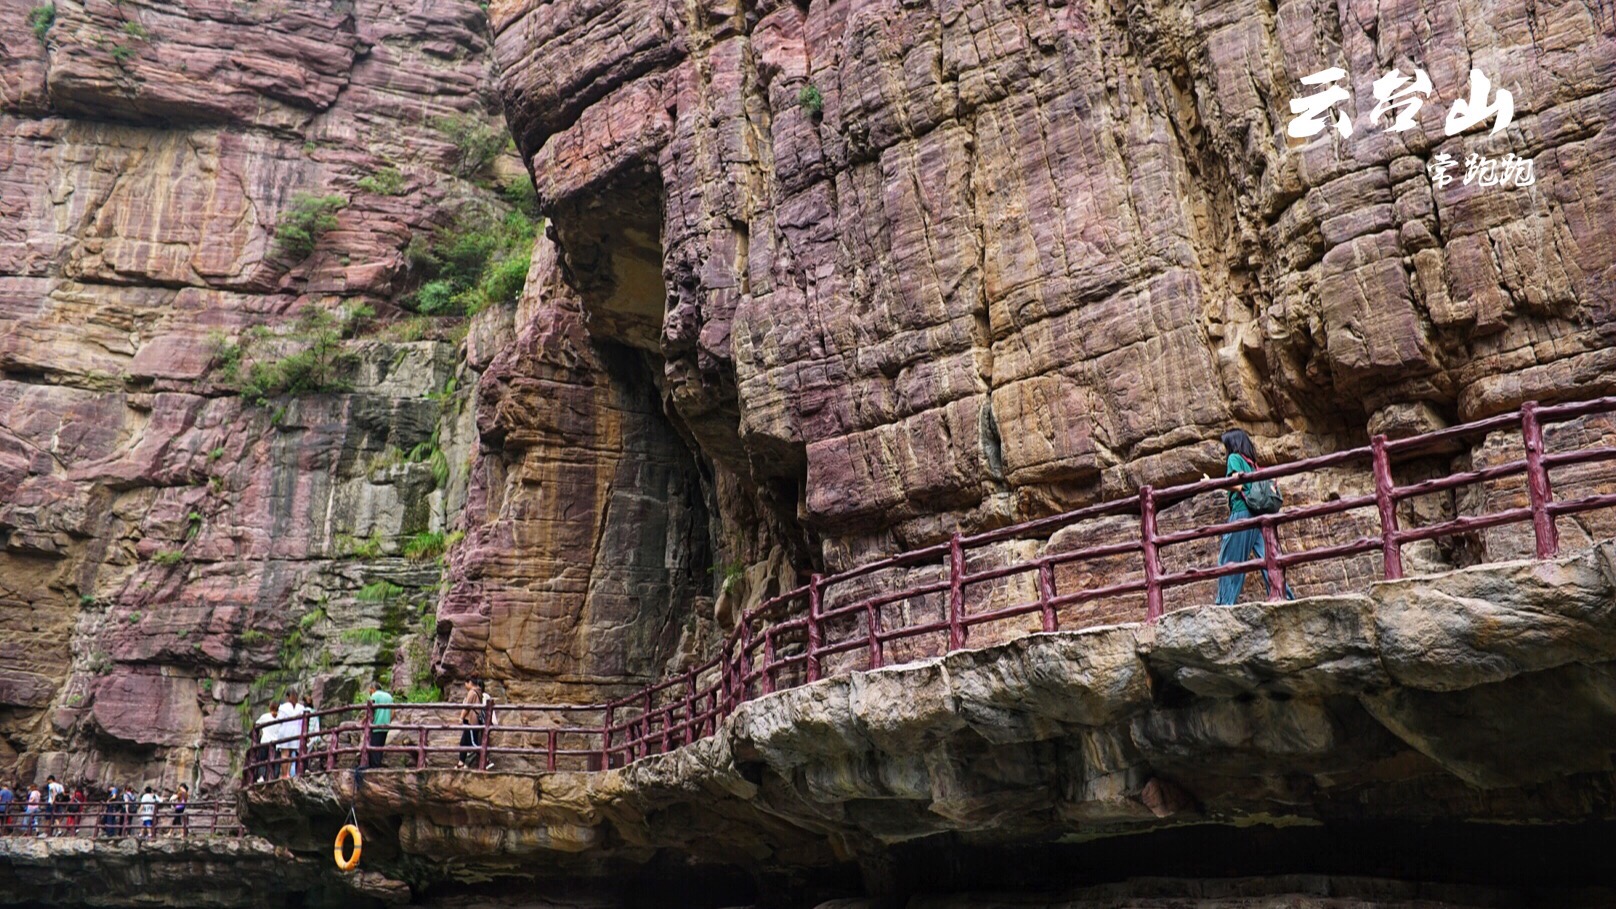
(299, 228)
(477, 143)
(481, 261)
(810, 98)
(389, 181)
(308, 359)
(40, 19)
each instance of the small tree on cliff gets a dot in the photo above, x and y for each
(299, 229)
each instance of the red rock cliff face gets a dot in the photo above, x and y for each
(172, 555)
(906, 267)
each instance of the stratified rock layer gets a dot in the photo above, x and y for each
(911, 268)
(171, 555)
(193, 872)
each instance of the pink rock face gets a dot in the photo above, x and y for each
(164, 545)
(907, 269)
(984, 260)
(144, 708)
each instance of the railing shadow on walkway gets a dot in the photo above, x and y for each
(118, 819)
(1120, 560)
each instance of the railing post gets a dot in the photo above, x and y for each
(1391, 551)
(364, 736)
(549, 752)
(482, 740)
(420, 748)
(956, 595)
(606, 740)
(300, 764)
(815, 634)
(1537, 484)
(743, 663)
(1276, 578)
(645, 725)
(768, 661)
(1147, 547)
(690, 706)
(872, 618)
(1046, 596)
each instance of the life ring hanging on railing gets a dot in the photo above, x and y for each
(348, 831)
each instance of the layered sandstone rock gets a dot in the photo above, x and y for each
(231, 873)
(907, 268)
(170, 554)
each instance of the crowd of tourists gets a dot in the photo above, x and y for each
(287, 738)
(54, 810)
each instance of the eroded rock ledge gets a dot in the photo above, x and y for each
(194, 872)
(1484, 694)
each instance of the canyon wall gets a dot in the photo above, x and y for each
(176, 550)
(898, 269)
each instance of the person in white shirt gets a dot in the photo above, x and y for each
(291, 727)
(266, 732)
(148, 811)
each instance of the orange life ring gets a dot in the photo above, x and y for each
(348, 832)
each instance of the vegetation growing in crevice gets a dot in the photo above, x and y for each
(299, 228)
(430, 453)
(40, 19)
(480, 261)
(308, 359)
(389, 181)
(810, 99)
(477, 143)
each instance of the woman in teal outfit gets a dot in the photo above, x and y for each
(1240, 545)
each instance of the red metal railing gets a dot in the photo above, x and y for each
(942, 593)
(106, 820)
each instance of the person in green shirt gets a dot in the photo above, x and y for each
(380, 717)
(1240, 545)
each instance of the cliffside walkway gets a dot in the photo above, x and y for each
(115, 820)
(1118, 560)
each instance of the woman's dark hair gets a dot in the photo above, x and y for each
(1235, 441)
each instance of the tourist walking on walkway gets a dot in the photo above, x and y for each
(474, 716)
(148, 811)
(31, 810)
(1242, 545)
(129, 806)
(111, 825)
(265, 733)
(182, 797)
(75, 806)
(291, 728)
(55, 803)
(381, 715)
(7, 797)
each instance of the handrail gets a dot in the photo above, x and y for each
(112, 819)
(850, 620)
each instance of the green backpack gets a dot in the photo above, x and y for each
(1262, 497)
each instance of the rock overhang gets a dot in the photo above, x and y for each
(1471, 696)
